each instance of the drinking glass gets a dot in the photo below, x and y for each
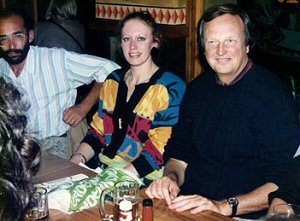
(124, 198)
(38, 206)
(284, 212)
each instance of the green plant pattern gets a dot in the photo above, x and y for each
(86, 193)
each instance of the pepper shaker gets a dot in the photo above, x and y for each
(147, 210)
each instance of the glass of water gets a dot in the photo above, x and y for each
(285, 212)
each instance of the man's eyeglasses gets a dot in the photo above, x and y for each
(15, 37)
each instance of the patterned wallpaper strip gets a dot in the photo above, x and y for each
(169, 16)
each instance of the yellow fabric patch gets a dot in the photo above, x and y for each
(108, 94)
(159, 137)
(156, 99)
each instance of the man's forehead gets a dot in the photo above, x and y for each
(11, 24)
(225, 22)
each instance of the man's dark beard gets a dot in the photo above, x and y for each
(16, 60)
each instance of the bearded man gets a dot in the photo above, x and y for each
(49, 78)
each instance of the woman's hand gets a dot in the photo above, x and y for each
(83, 154)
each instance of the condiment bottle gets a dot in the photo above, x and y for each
(147, 210)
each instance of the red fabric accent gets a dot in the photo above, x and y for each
(101, 138)
(151, 149)
(108, 122)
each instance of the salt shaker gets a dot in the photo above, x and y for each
(147, 210)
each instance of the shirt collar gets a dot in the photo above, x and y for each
(239, 76)
(29, 66)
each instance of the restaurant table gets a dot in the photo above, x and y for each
(53, 167)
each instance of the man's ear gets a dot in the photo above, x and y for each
(30, 36)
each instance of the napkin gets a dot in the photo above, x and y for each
(79, 195)
(97, 170)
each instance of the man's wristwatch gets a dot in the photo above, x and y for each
(233, 203)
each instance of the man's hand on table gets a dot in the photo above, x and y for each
(163, 188)
(196, 203)
(167, 189)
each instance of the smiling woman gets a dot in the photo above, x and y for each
(138, 105)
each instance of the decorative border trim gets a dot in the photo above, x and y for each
(168, 16)
(152, 3)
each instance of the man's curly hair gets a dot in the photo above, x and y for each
(19, 154)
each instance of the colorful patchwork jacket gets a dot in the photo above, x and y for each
(136, 131)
